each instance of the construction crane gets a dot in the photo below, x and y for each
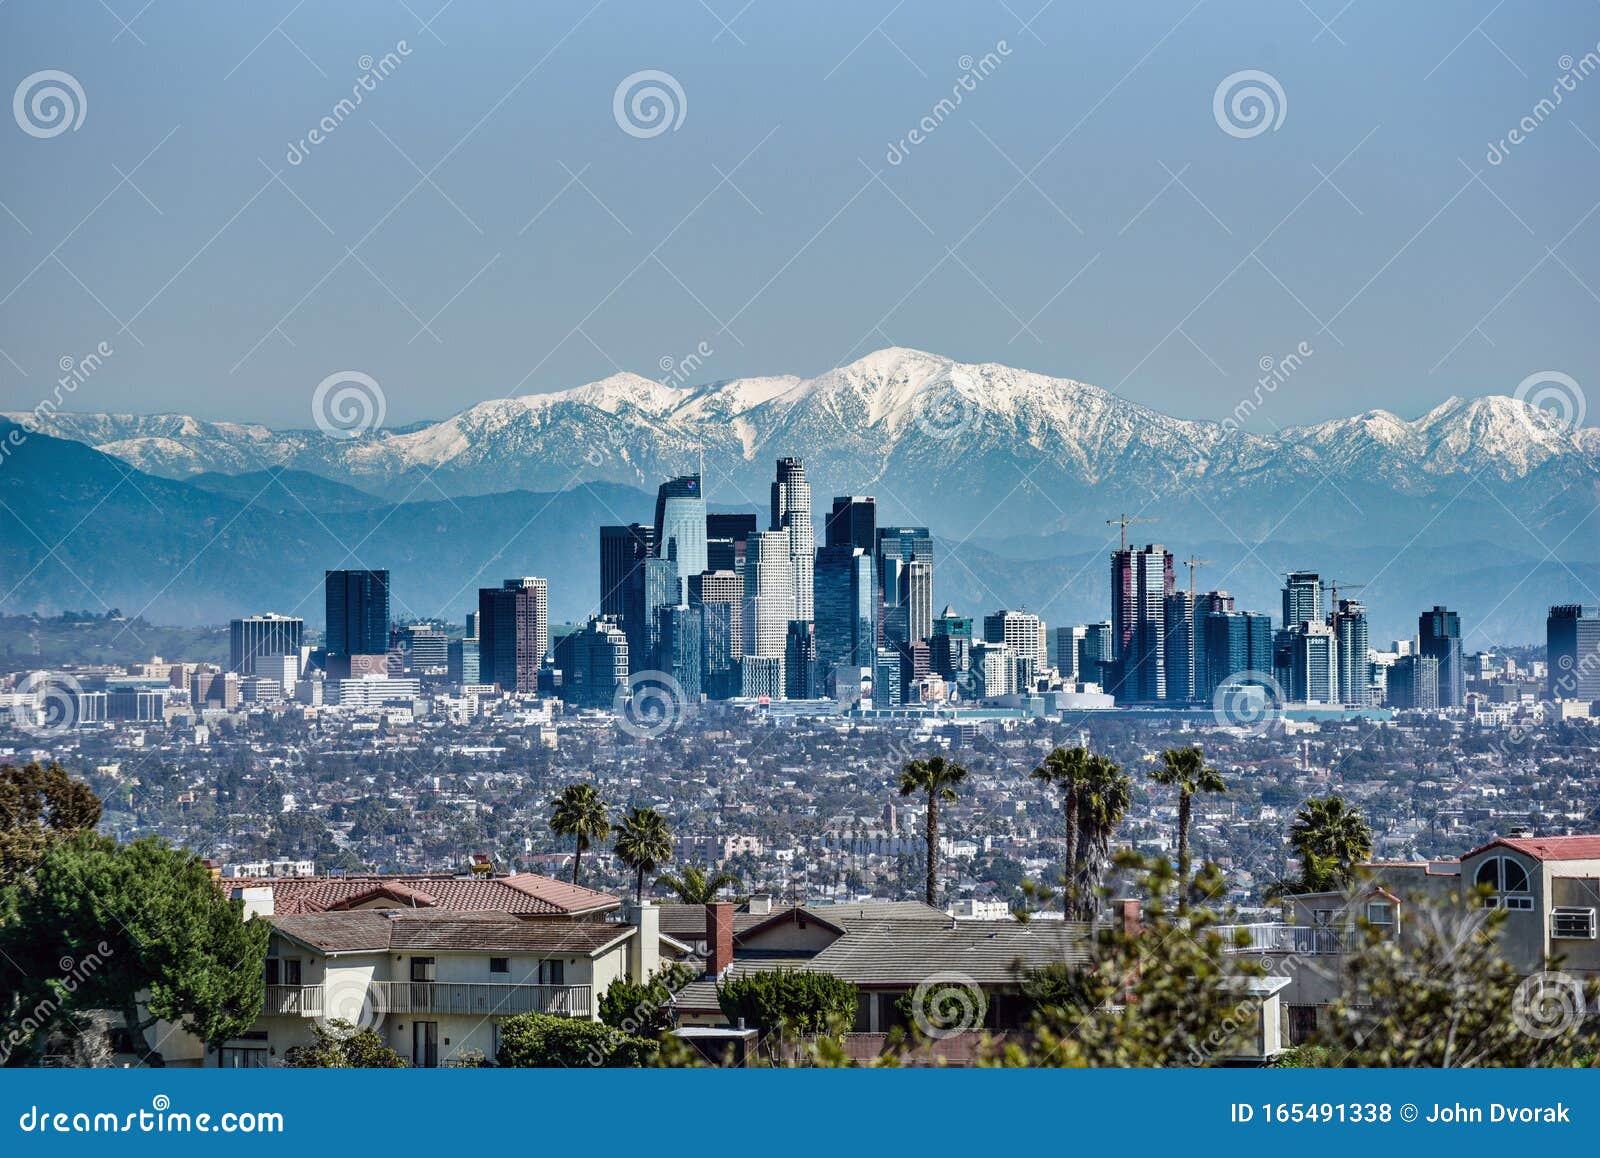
(1125, 522)
(1333, 593)
(1194, 563)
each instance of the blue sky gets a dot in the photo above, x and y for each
(1080, 213)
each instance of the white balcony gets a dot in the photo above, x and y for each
(480, 999)
(1305, 940)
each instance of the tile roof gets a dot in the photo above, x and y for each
(1548, 847)
(528, 894)
(377, 930)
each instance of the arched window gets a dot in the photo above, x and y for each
(1504, 875)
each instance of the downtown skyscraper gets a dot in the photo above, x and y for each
(680, 528)
(513, 633)
(1141, 580)
(1439, 638)
(791, 514)
(357, 606)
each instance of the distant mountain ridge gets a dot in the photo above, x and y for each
(1016, 473)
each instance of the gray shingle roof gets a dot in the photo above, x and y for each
(372, 930)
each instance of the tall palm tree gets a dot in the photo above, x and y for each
(579, 813)
(1186, 770)
(698, 886)
(1104, 797)
(1065, 770)
(1330, 837)
(939, 780)
(642, 844)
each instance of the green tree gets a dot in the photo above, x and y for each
(1443, 996)
(1186, 770)
(539, 1040)
(643, 842)
(939, 780)
(644, 1010)
(579, 813)
(697, 886)
(1065, 770)
(789, 1000)
(340, 1045)
(39, 805)
(1104, 797)
(164, 942)
(1330, 838)
(1173, 992)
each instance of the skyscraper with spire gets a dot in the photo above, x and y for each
(680, 528)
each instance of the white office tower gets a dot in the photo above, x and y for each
(768, 593)
(918, 579)
(791, 514)
(1021, 631)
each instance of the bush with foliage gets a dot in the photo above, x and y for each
(792, 1000)
(341, 1046)
(644, 1010)
(539, 1040)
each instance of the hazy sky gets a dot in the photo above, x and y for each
(481, 225)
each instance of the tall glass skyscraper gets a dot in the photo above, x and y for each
(1572, 636)
(852, 522)
(791, 514)
(768, 595)
(1141, 580)
(1350, 631)
(513, 633)
(846, 608)
(621, 550)
(680, 529)
(1302, 598)
(1439, 638)
(357, 604)
(905, 579)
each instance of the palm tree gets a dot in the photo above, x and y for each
(1330, 837)
(643, 843)
(1103, 801)
(1186, 770)
(579, 813)
(1065, 771)
(939, 780)
(698, 886)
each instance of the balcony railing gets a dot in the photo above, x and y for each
(1309, 940)
(466, 998)
(293, 1001)
(480, 999)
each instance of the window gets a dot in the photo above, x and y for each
(499, 964)
(272, 971)
(1380, 913)
(552, 973)
(291, 971)
(232, 1057)
(1573, 924)
(422, 969)
(1322, 918)
(1502, 874)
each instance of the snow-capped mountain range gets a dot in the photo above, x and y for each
(967, 448)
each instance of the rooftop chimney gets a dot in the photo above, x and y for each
(719, 938)
(1128, 910)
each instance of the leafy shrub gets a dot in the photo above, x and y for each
(788, 999)
(340, 1045)
(644, 1010)
(538, 1040)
